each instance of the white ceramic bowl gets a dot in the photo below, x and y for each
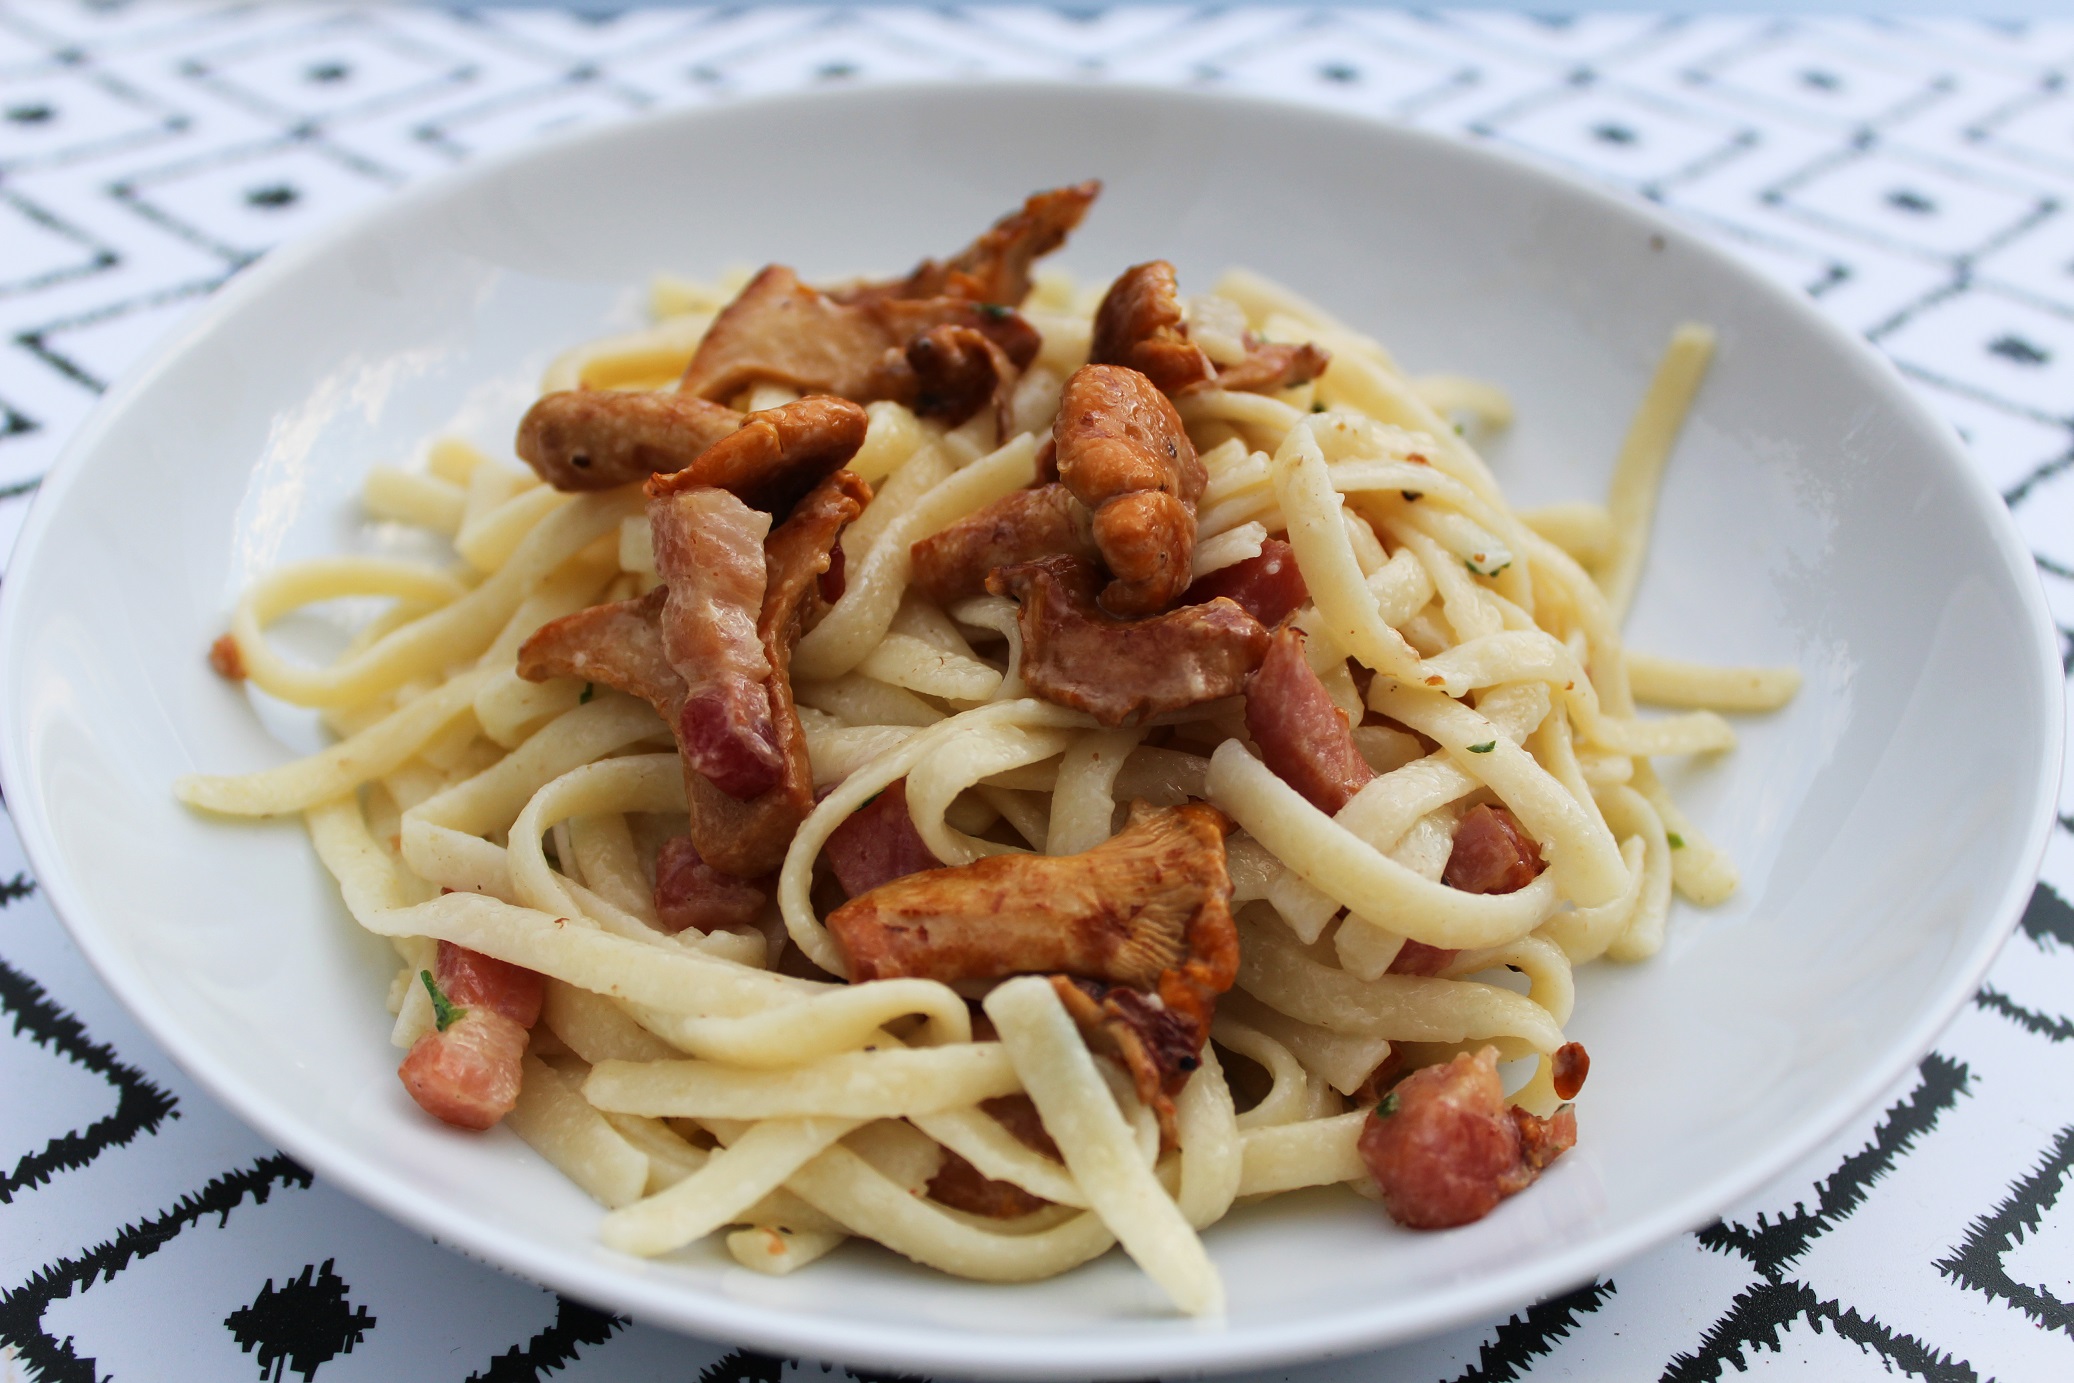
(1887, 824)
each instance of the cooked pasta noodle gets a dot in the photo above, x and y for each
(728, 1079)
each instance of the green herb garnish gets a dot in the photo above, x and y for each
(1387, 1105)
(1411, 496)
(445, 1012)
(1486, 747)
(590, 690)
(1677, 841)
(1317, 407)
(995, 312)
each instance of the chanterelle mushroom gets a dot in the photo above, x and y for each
(596, 439)
(1123, 453)
(1137, 933)
(1140, 324)
(995, 268)
(777, 455)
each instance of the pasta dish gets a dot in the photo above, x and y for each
(999, 770)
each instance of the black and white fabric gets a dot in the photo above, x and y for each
(1915, 178)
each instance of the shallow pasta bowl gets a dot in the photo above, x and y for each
(1887, 823)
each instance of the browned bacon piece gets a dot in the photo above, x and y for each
(878, 844)
(1268, 587)
(1492, 853)
(996, 267)
(1123, 453)
(622, 646)
(962, 1186)
(1445, 1149)
(748, 838)
(228, 662)
(467, 1074)
(595, 439)
(1021, 526)
(691, 893)
(1302, 736)
(1417, 958)
(1139, 325)
(1123, 670)
(782, 331)
(1571, 1065)
(1018, 1114)
(1144, 919)
(709, 552)
(776, 455)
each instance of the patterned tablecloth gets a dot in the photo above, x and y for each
(1914, 178)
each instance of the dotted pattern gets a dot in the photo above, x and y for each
(1914, 178)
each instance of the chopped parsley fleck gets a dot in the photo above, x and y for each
(1411, 496)
(1387, 1105)
(1677, 841)
(1317, 407)
(445, 1012)
(995, 312)
(1486, 747)
(590, 689)
(1458, 429)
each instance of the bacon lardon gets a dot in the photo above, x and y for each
(622, 646)
(691, 894)
(1303, 737)
(467, 1073)
(1269, 586)
(878, 844)
(1445, 1149)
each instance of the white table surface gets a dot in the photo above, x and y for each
(1914, 176)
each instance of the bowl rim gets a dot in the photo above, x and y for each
(722, 1319)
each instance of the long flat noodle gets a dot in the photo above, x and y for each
(845, 1187)
(674, 980)
(443, 836)
(1212, 1158)
(1098, 1145)
(981, 1139)
(1638, 470)
(367, 879)
(554, 1119)
(632, 783)
(859, 621)
(1408, 1008)
(1676, 682)
(731, 1181)
(1356, 873)
(887, 1084)
(935, 782)
(1518, 655)
(1581, 852)
(1083, 804)
(1316, 1152)
(1304, 487)
(374, 752)
(456, 632)
(836, 1020)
